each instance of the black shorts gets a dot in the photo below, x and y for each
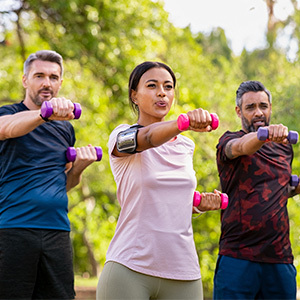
(36, 264)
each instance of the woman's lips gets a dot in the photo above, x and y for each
(161, 103)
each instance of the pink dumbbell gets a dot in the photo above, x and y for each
(183, 122)
(197, 199)
(71, 153)
(47, 110)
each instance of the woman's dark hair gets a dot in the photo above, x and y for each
(138, 72)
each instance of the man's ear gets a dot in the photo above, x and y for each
(24, 81)
(238, 111)
(60, 84)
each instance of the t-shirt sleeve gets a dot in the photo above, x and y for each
(225, 138)
(7, 110)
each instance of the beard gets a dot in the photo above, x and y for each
(250, 126)
(37, 99)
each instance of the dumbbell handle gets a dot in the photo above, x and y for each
(198, 196)
(263, 134)
(183, 122)
(71, 153)
(47, 110)
(294, 180)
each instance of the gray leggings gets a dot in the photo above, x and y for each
(119, 282)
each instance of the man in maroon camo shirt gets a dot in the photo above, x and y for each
(255, 257)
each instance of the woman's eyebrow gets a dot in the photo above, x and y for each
(155, 80)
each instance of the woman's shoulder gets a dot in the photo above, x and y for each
(120, 128)
(186, 140)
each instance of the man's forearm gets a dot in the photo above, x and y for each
(19, 124)
(73, 179)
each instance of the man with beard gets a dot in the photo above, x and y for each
(255, 257)
(35, 248)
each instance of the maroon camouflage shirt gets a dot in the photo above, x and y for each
(255, 225)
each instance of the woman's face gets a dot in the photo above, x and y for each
(154, 95)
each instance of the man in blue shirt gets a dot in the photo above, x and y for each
(35, 247)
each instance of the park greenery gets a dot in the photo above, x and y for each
(101, 41)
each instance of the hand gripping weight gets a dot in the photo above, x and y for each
(71, 153)
(197, 200)
(47, 110)
(263, 134)
(183, 122)
(294, 180)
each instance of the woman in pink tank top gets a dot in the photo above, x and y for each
(152, 254)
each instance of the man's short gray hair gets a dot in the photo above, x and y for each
(44, 55)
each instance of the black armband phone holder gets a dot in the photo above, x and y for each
(127, 140)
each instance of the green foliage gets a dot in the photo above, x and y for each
(101, 42)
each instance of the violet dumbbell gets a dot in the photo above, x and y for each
(197, 200)
(47, 110)
(294, 180)
(71, 153)
(183, 122)
(263, 135)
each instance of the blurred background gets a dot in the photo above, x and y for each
(101, 42)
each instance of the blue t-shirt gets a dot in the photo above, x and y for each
(32, 175)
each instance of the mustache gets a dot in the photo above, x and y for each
(45, 90)
(261, 119)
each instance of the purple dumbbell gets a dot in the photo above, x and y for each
(294, 180)
(197, 200)
(263, 134)
(47, 110)
(71, 153)
(183, 122)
